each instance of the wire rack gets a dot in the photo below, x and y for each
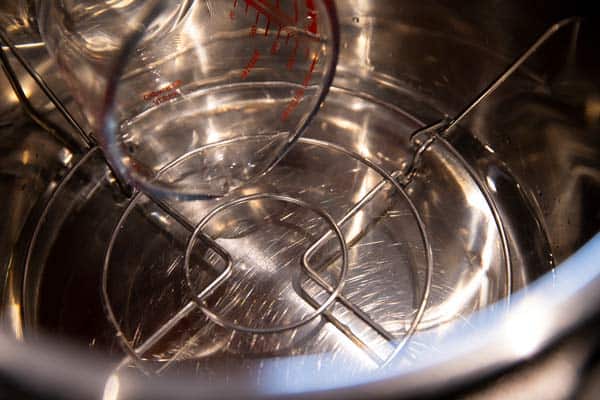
(421, 140)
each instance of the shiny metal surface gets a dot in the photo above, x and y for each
(533, 144)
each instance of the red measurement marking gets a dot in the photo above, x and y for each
(251, 64)
(299, 94)
(232, 15)
(166, 97)
(308, 75)
(275, 47)
(290, 63)
(164, 93)
(274, 13)
(292, 58)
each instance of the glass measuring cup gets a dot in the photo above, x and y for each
(229, 85)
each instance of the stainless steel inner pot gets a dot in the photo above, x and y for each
(474, 250)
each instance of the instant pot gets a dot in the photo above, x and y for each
(433, 232)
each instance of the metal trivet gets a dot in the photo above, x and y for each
(421, 140)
